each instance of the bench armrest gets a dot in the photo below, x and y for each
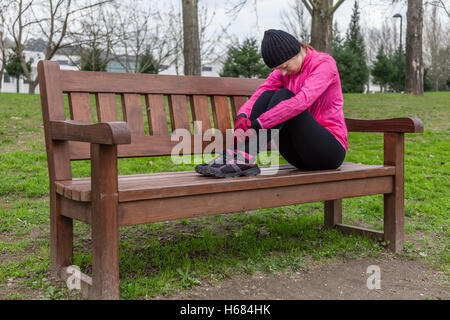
(385, 125)
(109, 133)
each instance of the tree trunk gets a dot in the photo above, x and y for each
(192, 63)
(414, 59)
(1, 79)
(26, 72)
(322, 12)
(321, 26)
(32, 86)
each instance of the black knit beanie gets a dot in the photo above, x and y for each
(278, 46)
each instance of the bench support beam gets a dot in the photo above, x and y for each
(374, 234)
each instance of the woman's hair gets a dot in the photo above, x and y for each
(305, 45)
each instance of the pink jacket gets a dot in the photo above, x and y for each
(317, 88)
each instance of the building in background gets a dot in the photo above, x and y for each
(35, 51)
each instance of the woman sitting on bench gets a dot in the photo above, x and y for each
(302, 99)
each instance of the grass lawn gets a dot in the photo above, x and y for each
(161, 258)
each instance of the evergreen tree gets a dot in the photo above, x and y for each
(337, 41)
(350, 56)
(343, 58)
(14, 68)
(354, 42)
(348, 69)
(382, 69)
(426, 80)
(147, 63)
(244, 61)
(393, 82)
(91, 60)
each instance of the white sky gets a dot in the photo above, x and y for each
(373, 14)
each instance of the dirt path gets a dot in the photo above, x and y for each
(401, 278)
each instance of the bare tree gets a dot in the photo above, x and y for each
(3, 49)
(191, 49)
(437, 49)
(295, 21)
(93, 33)
(161, 47)
(175, 34)
(141, 29)
(414, 58)
(321, 12)
(213, 42)
(439, 4)
(386, 36)
(19, 30)
(132, 32)
(50, 18)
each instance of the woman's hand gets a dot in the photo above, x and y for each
(241, 125)
(244, 129)
(242, 122)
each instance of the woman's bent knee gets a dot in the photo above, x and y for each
(284, 93)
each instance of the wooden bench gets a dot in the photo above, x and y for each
(107, 201)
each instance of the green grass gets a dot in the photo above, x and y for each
(161, 258)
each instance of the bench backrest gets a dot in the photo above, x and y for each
(145, 101)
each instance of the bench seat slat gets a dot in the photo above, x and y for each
(175, 184)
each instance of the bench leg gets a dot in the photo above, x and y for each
(105, 223)
(394, 202)
(332, 213)
(393, 222)
(61, 237)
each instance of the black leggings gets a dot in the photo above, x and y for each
(303, 142)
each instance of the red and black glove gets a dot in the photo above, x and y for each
(243, 123)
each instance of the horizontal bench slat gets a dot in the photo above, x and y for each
(112, 82)
(170, 184)
(140, 146)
